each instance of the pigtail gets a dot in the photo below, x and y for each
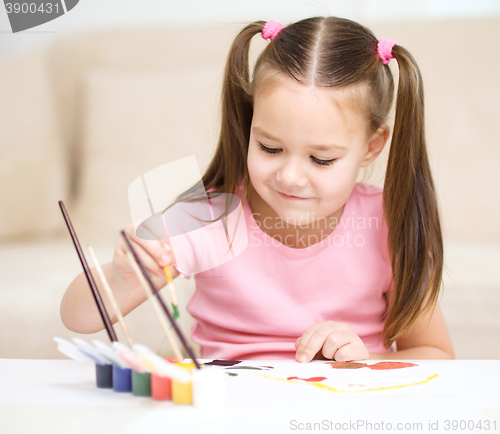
(229, 164)
(411, 209)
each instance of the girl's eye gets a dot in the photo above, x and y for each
(323, 162)
(316, 160)
(269, 150)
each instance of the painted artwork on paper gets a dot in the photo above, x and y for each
(350, 377)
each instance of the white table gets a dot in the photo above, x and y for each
(59, 396)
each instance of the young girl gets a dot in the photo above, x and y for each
(333, 269)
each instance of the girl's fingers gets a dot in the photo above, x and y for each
(304, 339)
(161, 251)
(316, 337)
(143, 251)
(310, 331)
(335, 341)
(352, 351)
(152, 246)
(147, 260)
(311, 348)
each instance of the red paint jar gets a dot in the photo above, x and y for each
(161, 388)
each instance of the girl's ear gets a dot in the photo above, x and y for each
(376, 144)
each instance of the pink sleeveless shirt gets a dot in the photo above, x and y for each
(257, 304)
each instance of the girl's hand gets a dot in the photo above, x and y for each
(336, 340)
(153, 254)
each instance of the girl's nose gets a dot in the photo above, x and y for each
(291, 174)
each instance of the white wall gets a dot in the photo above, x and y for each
(103, 13)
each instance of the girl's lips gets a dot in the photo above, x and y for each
(287, 197)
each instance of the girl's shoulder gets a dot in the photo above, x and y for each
(366, 206)
(238, 189)
(367, 189)
(366, 199)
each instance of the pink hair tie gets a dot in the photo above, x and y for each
(271, 29)
(384, 48)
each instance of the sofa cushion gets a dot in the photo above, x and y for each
(33, 170)
(134, 122)
(128, 49)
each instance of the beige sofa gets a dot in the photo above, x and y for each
(82, 118)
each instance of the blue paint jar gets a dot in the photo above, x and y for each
(122, 379)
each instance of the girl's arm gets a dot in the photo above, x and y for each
(78, 309)
(427, 339)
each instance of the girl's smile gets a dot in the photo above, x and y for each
(288, 197)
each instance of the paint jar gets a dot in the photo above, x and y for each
(182, 393)
(104, 376)
(209, 388)
(122, 379)
(141, 383)
(161, 388)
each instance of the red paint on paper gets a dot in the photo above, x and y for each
(312, 379)
(391, 365)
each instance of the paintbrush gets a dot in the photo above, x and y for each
(110, 295)
(171, 291)
(93, 287)
(162, 303)
(168, 276)
(156, 307)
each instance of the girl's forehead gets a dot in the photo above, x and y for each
(348, 96)
(293, 105)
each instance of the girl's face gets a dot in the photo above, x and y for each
(305, 152)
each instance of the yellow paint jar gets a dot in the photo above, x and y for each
(182, 393)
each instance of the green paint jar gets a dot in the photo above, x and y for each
(141, 383)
